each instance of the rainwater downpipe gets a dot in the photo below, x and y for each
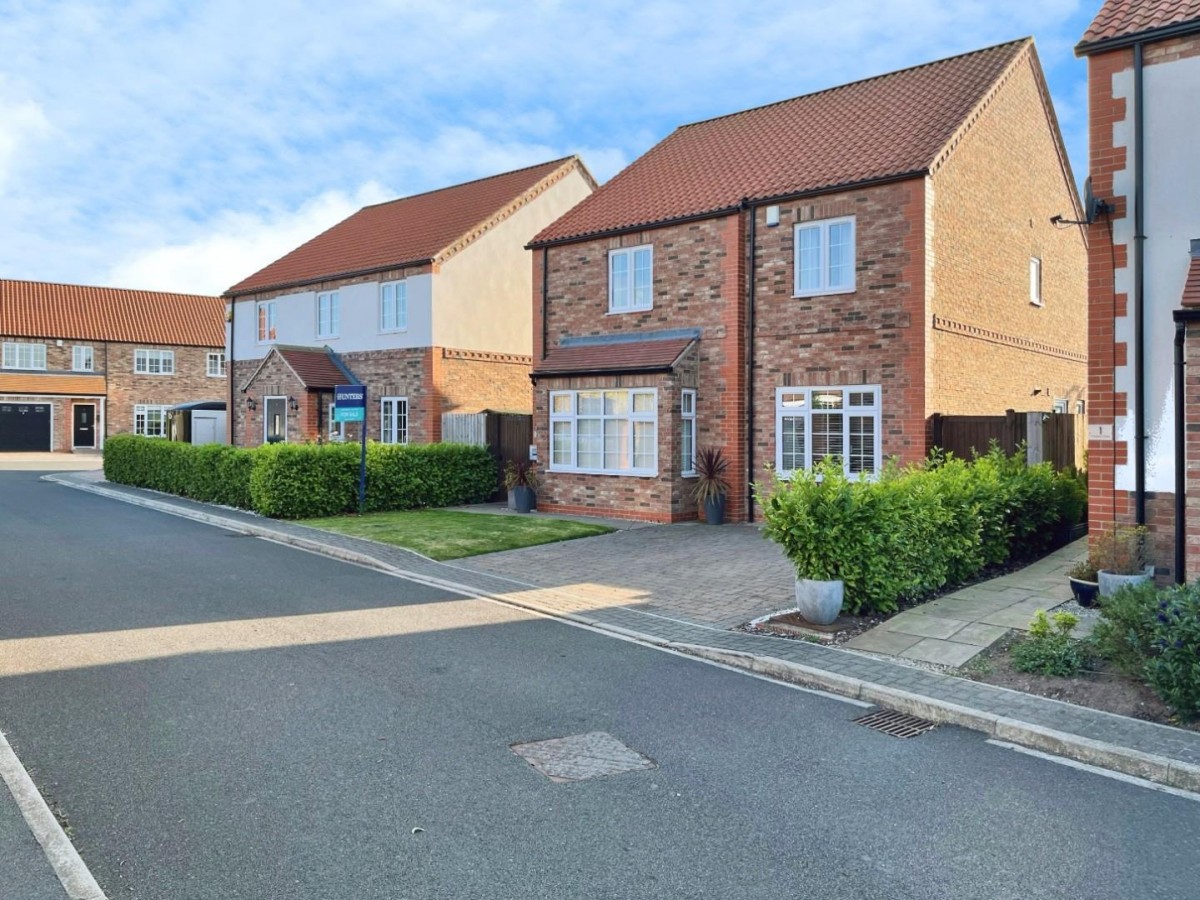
(545, 289)
(1139, 286)
(753, 257)
(229, 366)
(1182, 317)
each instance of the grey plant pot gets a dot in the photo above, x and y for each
(523, 499)
(1110, 582)
(819, 602)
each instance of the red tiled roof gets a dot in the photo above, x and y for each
(38, 309)
(24, 383)
(1191, 289)
(315, 368)
(884, 127)
(634, 356)
(406, 231)
(1125, 18)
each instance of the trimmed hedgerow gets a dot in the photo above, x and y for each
(916, 529)
(304, 480)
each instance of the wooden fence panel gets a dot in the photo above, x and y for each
(465, 428)
(1059, 438)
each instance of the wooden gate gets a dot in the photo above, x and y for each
(506, 435)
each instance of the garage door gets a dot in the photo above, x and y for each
(24, 426)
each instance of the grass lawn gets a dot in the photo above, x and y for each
(443, 534)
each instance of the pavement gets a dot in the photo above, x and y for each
(637, 584)
(79, 461)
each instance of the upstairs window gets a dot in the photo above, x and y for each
(329, 314)
(825, 257)
(1035, 281)
(82, 358)
(393, 306)
(630, 277)
(24, 356)
(266, 321)
(215, 365)
(154, 362)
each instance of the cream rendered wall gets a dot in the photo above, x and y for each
(296, 321)
(1172, 184)
(484, 294)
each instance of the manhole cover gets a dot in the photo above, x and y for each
(582, 756)
(896, 724)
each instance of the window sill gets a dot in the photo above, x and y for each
(403, 330)
(1037, 304)
(689, 474)
(616, 473)
(807, 294)
(327, 337)
(625, 312)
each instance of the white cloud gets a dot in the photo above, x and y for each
(25, 125)
(236, 245)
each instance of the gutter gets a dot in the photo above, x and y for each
(1180, 29)
(233, 294)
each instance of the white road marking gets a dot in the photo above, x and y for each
(1096, 770)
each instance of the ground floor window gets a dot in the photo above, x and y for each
(150, 420)
(687, 437)
(604, 432)
(393, 420)
(337, 430)
(814, 423)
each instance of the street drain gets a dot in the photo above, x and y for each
(582, 756)
(897, 724)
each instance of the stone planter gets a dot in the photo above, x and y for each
(1110, 582)
(819, 602)
(714, 510)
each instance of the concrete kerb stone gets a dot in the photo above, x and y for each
(1158, 769)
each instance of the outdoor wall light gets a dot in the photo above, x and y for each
(293, 404)
(250, 404)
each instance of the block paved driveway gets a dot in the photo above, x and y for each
(717, 576)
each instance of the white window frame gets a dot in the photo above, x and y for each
(35, 355)
(83, 358)
(329, 314)
(572, 418)
(398, 434)
(687, 418)
(144, 359)
(1035, 281)
(264, 321)
(397, 293)
(630, 255)
(822, 226)
(336, 430)
(806, 412)
(217, 371)
(141, 419)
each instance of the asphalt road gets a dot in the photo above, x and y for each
(222, 717)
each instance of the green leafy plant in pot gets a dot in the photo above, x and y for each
(1085, 583)
(521, 480)
(711, 484)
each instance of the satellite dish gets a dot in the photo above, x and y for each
(1093, 206)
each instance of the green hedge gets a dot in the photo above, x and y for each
(916, 529)
(304, 480)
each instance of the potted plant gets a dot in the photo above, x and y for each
(1120, 558)
(711, 484)
(521, 481)
(1085, 584)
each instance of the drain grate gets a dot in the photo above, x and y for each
(897, 724)
(582, 756)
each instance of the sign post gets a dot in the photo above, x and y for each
(350, 405)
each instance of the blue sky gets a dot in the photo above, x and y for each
(182, 146)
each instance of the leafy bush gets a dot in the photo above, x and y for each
(1125, 630)
(1049, 648)
(304, 480)
(1174, 670)
(914, 529)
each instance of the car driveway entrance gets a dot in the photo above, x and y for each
(716, 576)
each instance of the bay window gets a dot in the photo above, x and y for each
(604, 432)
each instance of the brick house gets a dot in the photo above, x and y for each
(425, 300)
(813, 277)
(1144, 421)
(81, 363)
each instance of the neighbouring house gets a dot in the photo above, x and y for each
(1144, 274)
(425, 300)
(82, 363)
(811, 278)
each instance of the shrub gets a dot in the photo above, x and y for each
(1049, 648)
(299, 481)
(1174, 670)
(1125, 630)
(409, 476)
